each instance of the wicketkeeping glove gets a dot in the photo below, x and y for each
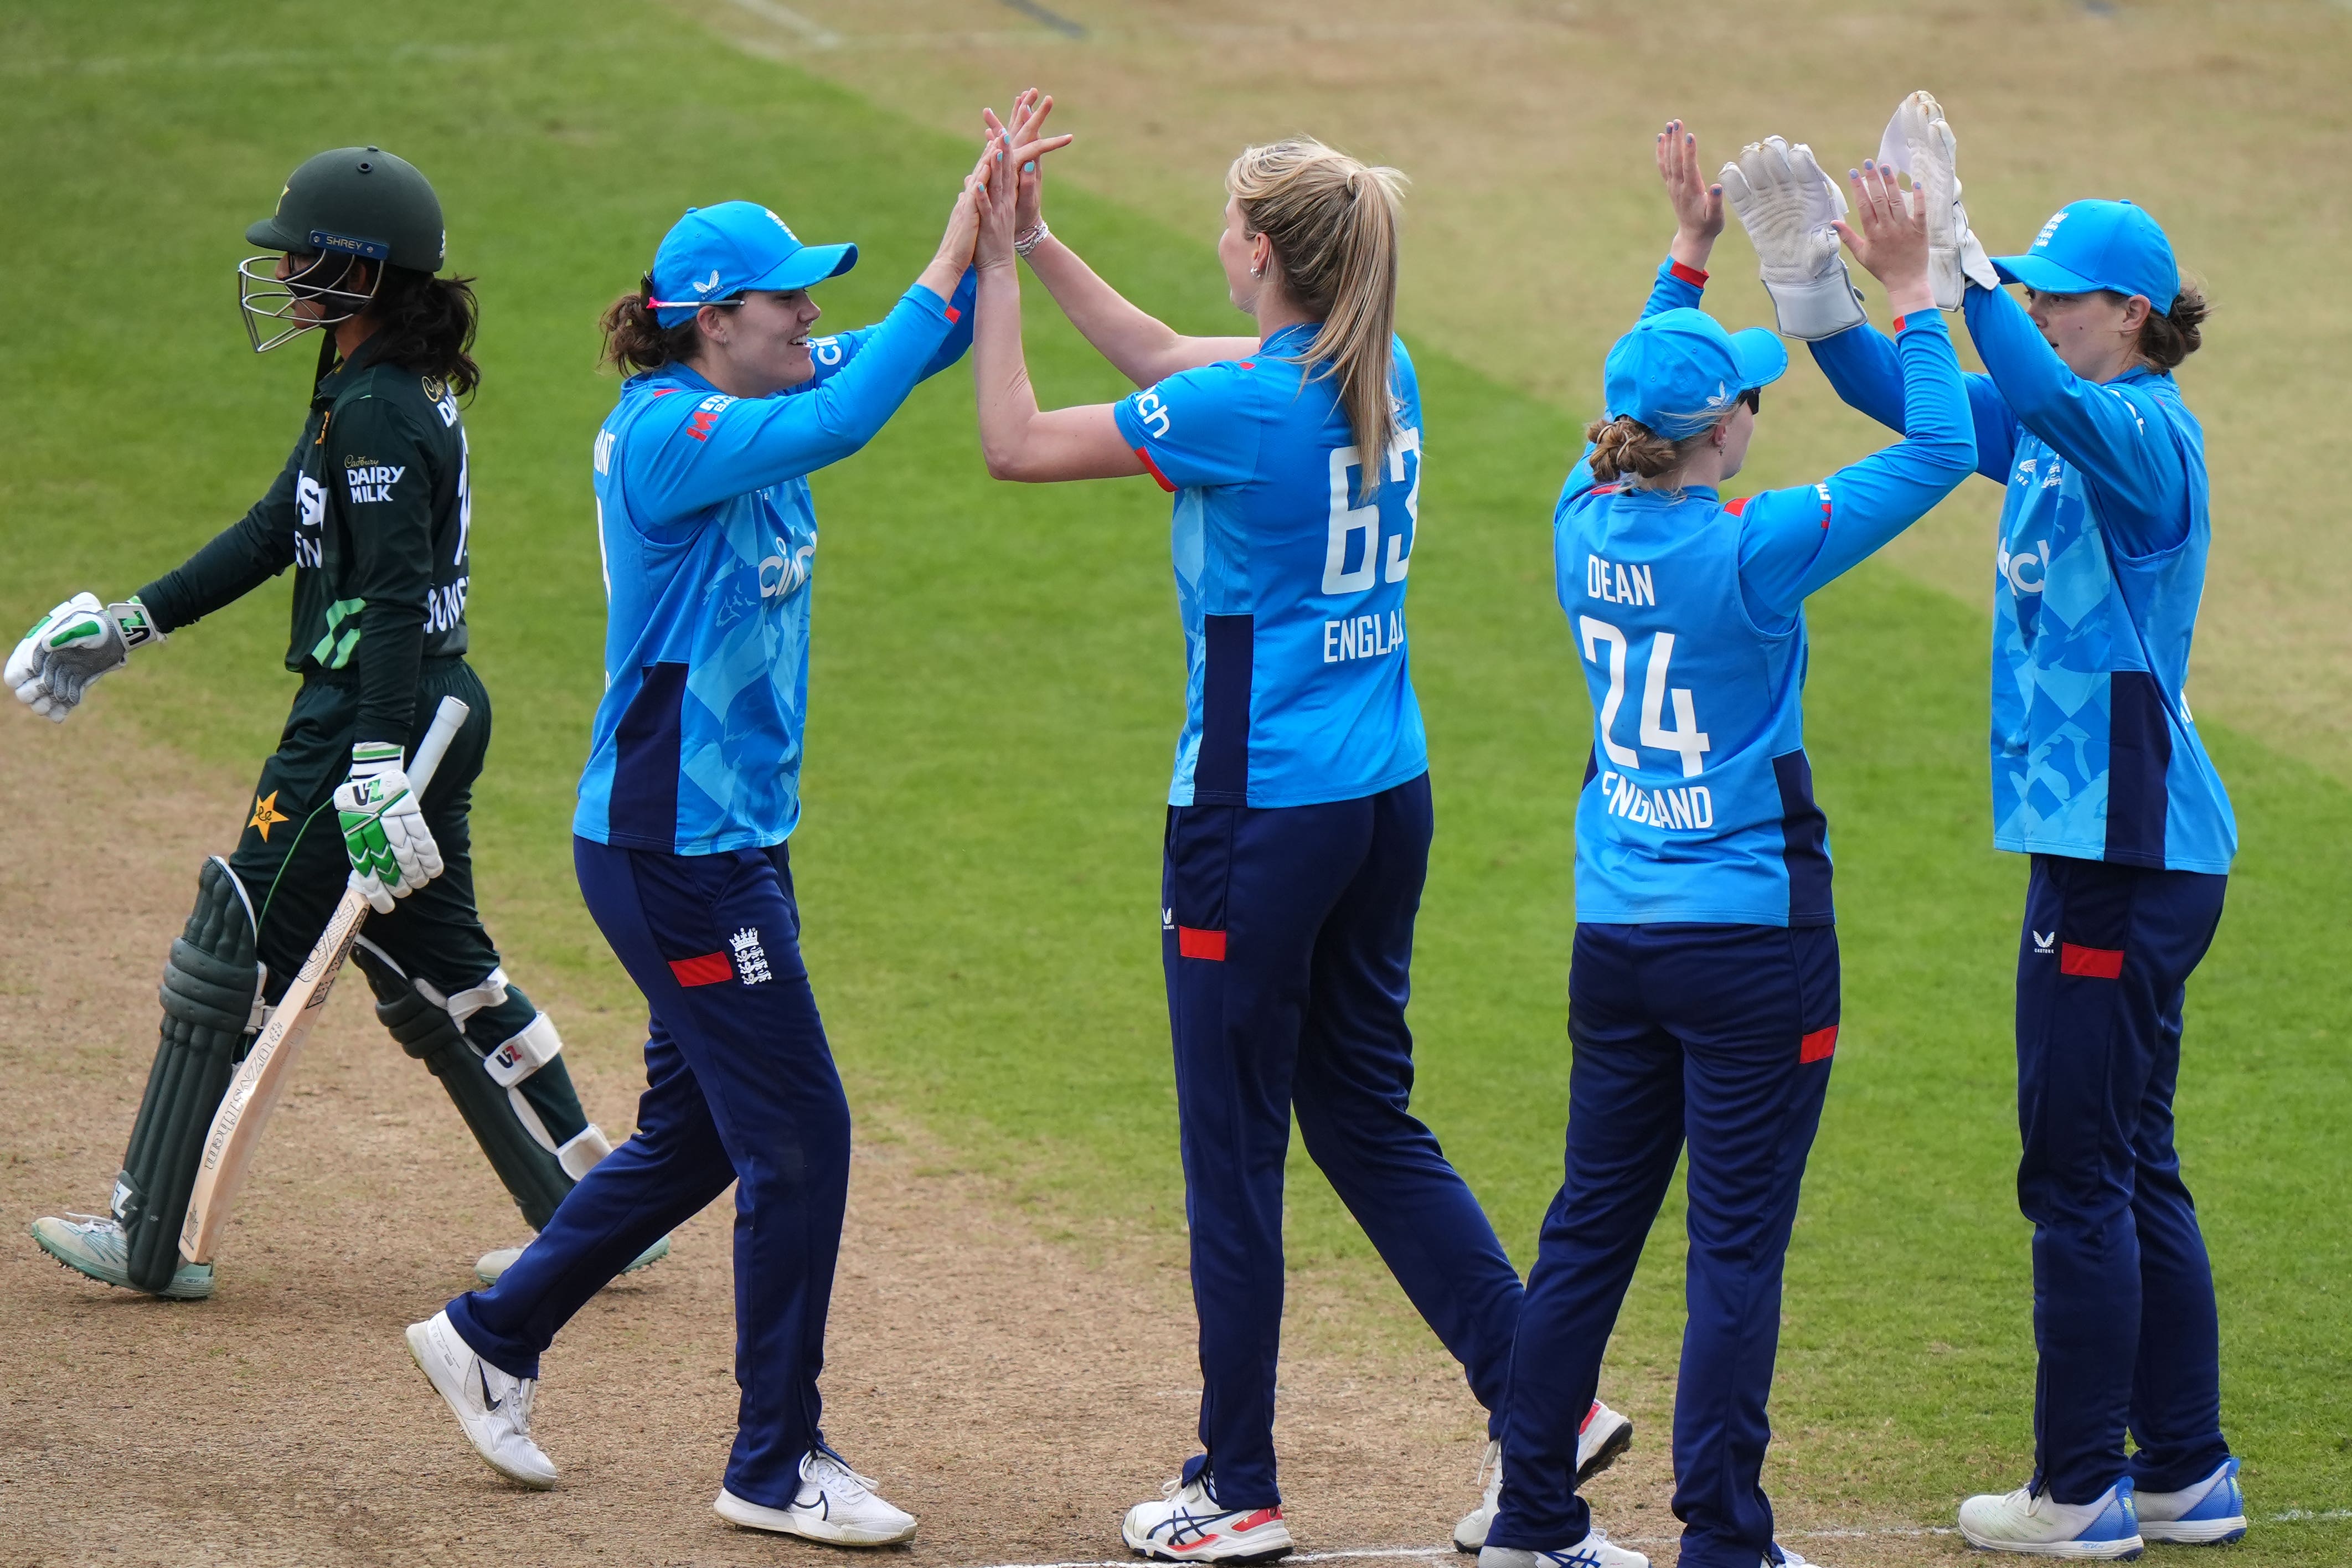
(1919, 144)
(393, 853)
(72, 646)
(1789, 209)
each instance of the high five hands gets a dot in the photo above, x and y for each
(1892, 243)
(1011, 195)
(1698, 207)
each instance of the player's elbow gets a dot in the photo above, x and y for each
(1009, 460)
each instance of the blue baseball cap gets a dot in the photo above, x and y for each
(2089, 246)
(1678, 371)
(714, 252)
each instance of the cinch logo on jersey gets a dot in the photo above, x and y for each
(1616, 584)
(781, 575)
(1362, 637)
(2015, 569)
(371, 482)
(1153, 413)
(1692, 807)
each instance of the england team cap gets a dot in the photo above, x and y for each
(712, 253)
(1678, 371)
(2091, 245)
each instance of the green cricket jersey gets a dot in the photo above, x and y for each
(373, 511)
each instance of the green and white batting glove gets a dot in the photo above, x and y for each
(1791, 209)
(72, 646)
(393, 853)
(1920, 144)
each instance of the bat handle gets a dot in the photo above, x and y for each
(448, 720)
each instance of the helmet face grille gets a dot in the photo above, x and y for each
(276, 309)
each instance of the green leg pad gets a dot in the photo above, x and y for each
(531, 1173)
(209, 984)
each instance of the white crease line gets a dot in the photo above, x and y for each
(2288, 1515)
(814, 33)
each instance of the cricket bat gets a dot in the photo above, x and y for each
(262, 1078)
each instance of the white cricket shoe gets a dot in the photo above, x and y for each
(2205, 1514)
(1187, 1524)
(1604, 1436)
(493, 1407)
(2033, 1524)
(835, 1504)
(94, 1245)
(492, 1265)
(1595, 1550)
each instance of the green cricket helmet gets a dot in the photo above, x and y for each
(340, 208)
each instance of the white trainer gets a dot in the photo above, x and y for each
(1187, 1524)
(2205, 1514)
(1595, 1550)
(835, 1504)
(1604, 1436)
(490, 1265)
(2031, 1523)
(94, 1245)
(492, 1406)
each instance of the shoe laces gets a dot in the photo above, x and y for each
(92, 1221)
(1491, 1459)
(825, 1467)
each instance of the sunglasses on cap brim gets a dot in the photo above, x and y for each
(1754, 398)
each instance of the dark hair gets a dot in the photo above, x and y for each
(634, 339)
(2166, 340)
(1625, 446)
(427, 324)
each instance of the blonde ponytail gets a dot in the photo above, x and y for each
(1332, 222)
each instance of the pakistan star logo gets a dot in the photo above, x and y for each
(265, 814)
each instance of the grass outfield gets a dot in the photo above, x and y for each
(996, 693)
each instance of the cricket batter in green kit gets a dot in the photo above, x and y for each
(373, 513)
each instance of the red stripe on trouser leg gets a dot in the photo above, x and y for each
(1819, 1046)
(707, 970)
(1191, 943)
(2093, 962)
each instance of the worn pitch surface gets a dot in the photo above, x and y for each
(1013, 1396)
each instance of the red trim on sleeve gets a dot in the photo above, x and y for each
(699, 425)
(1690, 275)
(1817, 1046)
(2091, 963)
(1153, 469)
(1899, 320)
(1738, 508)
(1245, 364)
(954, 315)
(1208, 944)
(710, 969)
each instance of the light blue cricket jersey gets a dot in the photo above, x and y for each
(1687, 615)
(710, 548)
(1290, 582)
(2097, 575)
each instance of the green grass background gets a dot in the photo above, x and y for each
(996, 692)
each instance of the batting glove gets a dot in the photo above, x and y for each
(1920, 144)
(1789, 209)
(393, 853)
(72, 646)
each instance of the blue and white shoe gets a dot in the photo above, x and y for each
(2031, 1523)
(1595, 1550)
(1187, 1524)
(2206, 1513)
(1602, 1437)
(94, 1245)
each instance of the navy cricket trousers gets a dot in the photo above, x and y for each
(1286, 933)
(740, 1087)
(1720, 1036)
(2123, 1292)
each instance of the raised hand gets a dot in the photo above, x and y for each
(1919, 143)
(1029, 112)
(1698, 206)
(1891, 242)
(1011, 165)
(1789, 209)
(956, 244)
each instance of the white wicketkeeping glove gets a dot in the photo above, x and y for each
(72, 646)
(1789, 207)
(391, 851)
(1920, 144)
